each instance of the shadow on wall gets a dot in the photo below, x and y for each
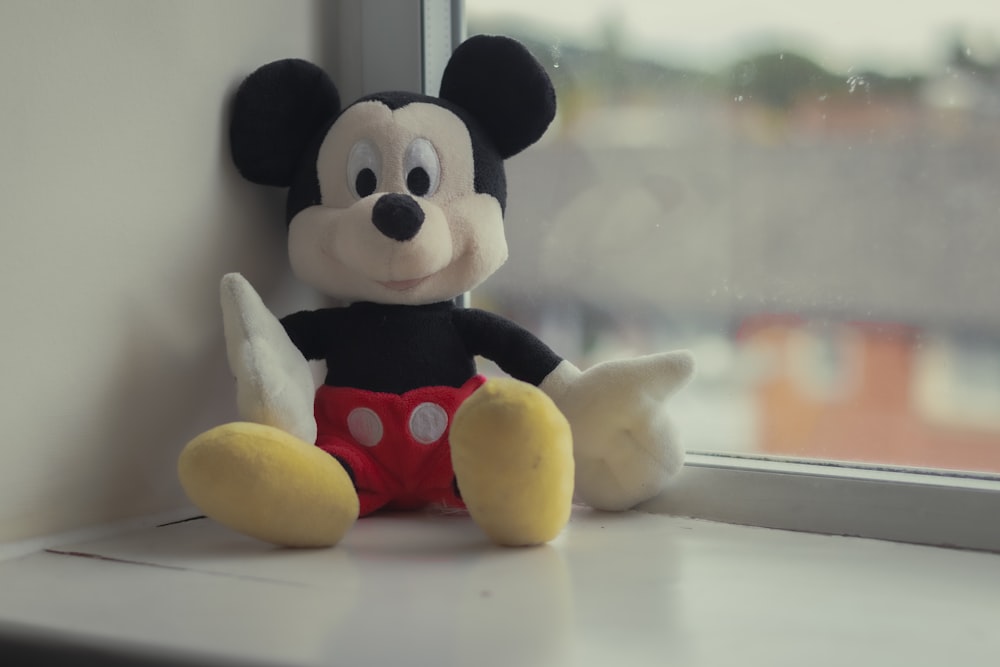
(172, 379)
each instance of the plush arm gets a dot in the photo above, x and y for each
(514, 349)
(623, 442)
(274, 385)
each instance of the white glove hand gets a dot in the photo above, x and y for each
(274, 385)
(623, 442)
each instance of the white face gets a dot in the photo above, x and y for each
(368, 153)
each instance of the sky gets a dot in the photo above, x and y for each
(893, 35)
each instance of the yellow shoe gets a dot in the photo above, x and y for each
(268, 484)
(512, 452)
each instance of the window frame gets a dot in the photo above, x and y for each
(393, 44)
(932, 507)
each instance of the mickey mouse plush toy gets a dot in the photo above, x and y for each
(395, 208)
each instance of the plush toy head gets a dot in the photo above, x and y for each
(399, 198)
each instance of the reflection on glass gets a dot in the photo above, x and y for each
(812, 207)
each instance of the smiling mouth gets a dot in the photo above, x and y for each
(403, 285)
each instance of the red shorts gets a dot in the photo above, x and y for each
(395, 446)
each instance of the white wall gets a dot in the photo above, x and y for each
(119, 213)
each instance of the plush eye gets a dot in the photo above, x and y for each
(421, 168)
(364, 164)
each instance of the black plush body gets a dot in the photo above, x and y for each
(395, 349)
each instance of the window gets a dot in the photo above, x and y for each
(807, 200)
(802, 198)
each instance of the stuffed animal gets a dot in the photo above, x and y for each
(395, 209)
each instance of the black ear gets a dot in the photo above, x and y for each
(505, 89)
(278, 109)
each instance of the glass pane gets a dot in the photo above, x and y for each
(805, 195)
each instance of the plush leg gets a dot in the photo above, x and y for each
(513, 457)
(266, 483)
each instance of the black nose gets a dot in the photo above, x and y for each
(398, 216)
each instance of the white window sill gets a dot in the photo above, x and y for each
(628, 589)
